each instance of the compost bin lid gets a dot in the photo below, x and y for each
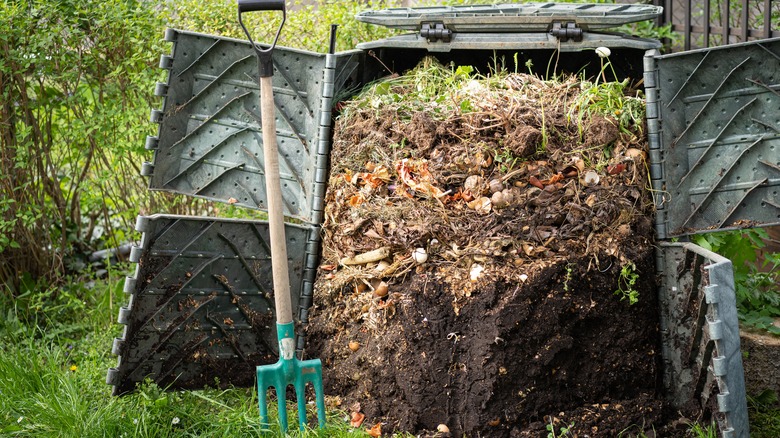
(714, 137)
(511, 17)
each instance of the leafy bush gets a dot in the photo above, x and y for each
(75, 79)
(757, 287)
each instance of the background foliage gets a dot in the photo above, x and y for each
(76, 78)
(757, 282)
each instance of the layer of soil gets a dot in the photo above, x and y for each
(762, 354)
(514, 356)
(532, 228)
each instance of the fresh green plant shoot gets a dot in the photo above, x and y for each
(699, 431)
(608, 99)
(567, 278)
(562, 432)
(626, 282)
(506, 159)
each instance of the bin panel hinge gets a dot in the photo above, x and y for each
(433, 32)
(565, 31)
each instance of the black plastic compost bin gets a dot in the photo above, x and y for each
(198, 311)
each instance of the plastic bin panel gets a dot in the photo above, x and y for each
(201, 304)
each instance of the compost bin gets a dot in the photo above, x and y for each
(503, 357)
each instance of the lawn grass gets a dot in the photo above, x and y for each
(52, 384)
(51, 390)
(764, 415)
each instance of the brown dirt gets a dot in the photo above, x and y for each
(512, 323)
(762, 354)
(514, 353)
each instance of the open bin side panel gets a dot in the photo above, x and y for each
(210, 137)
(201, 302)
(713, 115)
(700, 335)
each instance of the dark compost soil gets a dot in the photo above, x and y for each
(511, 321)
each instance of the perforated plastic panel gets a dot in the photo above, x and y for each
(201, 301)
(700, 335)
(512, 17)
(523, 26)
(201, 304)
(210, 139)
(714, 124)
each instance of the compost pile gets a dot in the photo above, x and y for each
(487, 261)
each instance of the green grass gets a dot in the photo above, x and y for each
(53, 385)
(700, 431)
(764, 414)
(55, 390)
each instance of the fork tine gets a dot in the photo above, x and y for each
(281, 402)
(320, 396)
(300, 394)
(311, 371)
(262, 398)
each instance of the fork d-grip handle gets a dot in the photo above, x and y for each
(265, 64)
(273, 189)
(260, 5)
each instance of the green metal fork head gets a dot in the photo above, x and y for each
(289, 370)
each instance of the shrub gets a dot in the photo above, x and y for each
(75, 79)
